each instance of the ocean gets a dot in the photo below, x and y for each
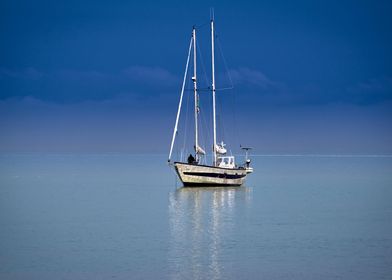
(114, 216)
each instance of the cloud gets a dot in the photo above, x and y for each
(252, 77)
(75, 85)
(142, 82)
(371, 91)
(28, 73)
(155, 75)
(374, 86)
(75, 75)
(255, 82)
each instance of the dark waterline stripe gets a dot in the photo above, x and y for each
(211, 185)
(216, 175)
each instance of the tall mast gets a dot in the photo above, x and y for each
(195, 93)
(213, 89)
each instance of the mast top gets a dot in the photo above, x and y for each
(212, 14)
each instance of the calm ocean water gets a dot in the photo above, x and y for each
(125, 217)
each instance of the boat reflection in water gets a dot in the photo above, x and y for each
(202, 225)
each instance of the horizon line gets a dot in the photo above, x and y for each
(164, 154)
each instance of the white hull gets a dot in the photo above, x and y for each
(204, 175)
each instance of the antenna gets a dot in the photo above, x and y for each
(212, 13)
(246, 149)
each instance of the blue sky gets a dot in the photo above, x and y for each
(104, 76)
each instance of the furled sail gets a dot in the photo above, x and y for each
(200, 151)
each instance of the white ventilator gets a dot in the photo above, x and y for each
(220, 148)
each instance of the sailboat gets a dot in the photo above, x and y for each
(223, 171)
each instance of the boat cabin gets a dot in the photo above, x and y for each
(225, 162)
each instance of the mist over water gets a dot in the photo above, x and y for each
(126, 217)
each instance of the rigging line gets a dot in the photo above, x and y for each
(200, 89)
(202, 65)
(235, 118)
(221, 122)
(186, 120)
(221, 89)
(202, 135)
(180, 102)
(206, 134)
(199, 26)
(177, 151)
(204, 110)
(223, 128)
(226, 88)
(225, 64)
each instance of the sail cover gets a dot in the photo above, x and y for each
(200, 151)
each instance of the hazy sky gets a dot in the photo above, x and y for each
(105, 76)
